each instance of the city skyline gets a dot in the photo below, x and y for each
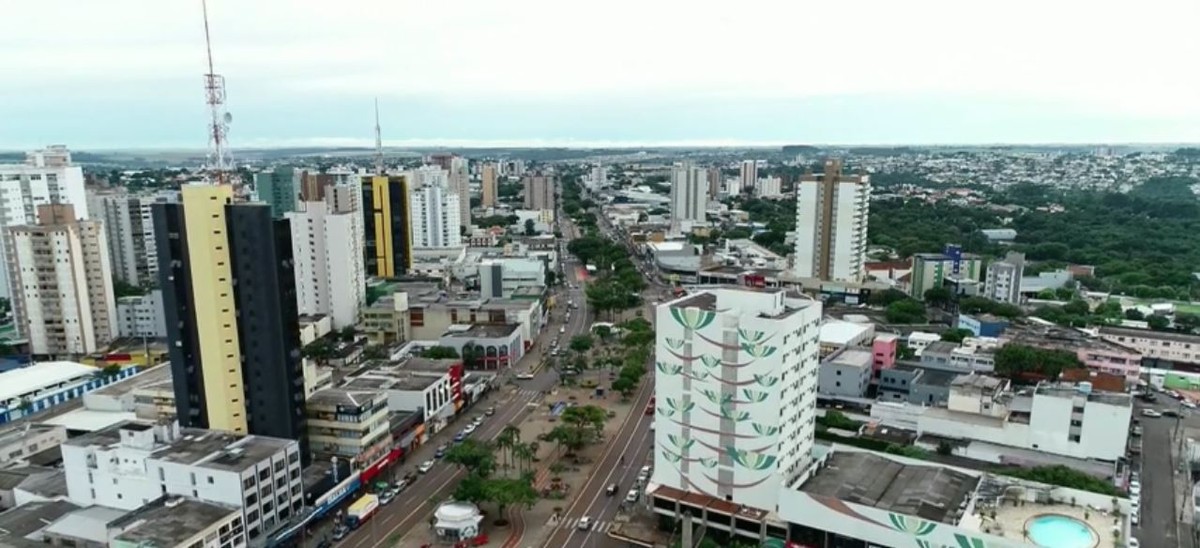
(929, 72)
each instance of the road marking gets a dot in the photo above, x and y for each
(592, 478)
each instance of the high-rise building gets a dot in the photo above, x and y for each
(599, 176)
(714, 182)
(312, 185)
(327, 248)
(539, 191)
(387, 229)
(491, 186)
(749, 175)
(831, 224)
(435, 217)
(460, 185)
(62, 293)
(689, 196)
(279, 188)
(735, 393)
(229, 291)
(769, 187)
(46, 177)
(130, 233)
(1002, 281)
(426, 176)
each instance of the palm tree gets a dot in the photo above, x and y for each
(522, 453)
(509, 438)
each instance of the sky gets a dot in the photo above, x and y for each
(104, 74)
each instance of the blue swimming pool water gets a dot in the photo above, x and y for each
(1055, 531)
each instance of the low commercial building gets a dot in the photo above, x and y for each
(41, 386)
(845, 373)
(917, 341)
(24, 525)
(963, 359)
(486, 347)
(499, 277)
(180, 523)
(838, 334)
(886, 348)
(1067, 420)
(985, 325)
(427, 393)
(1101, 353)
(1175, 347)
(912, 383)
(20, 442)
(349, 424)
(133, 463)
(313, 327)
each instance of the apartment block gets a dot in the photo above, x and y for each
(831, 225)
(769, 188)
(229, 292)
(129, 227)
(133, 463)
(349, 424)
(748, 176)
(540, 191)
(771, 336)
(279, 188)
(46, 177)
(1002, 282)
(689, 197)
(62, 293)
(326, 245)
(387, 226)
(932, 270)
(1162, 345)
(436, 217)
(491, 186)
(142, 316)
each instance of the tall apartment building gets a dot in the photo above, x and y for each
(460, 185)
(387, 229)
(130, 232)
(748, 175)
(599, 176)
(540, 191)
(133, 463)
(46, 177)
(490, 186)
(435, 217)
(279, 188)
(831, 225)
(229, 292)
(689, 196)
(932, 270)
(714, 182)
(62, 293)
(736, 393)
(769, 187)
(1002, 282)
(141, 316)
(327, 248)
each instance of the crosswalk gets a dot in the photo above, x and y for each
(573, 523)
(526, 393)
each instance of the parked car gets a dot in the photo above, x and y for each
(425, 467)
(469, 429)
(386, 497)
(340, 531)
(631, 496)
(490, 411)
(1151, 413)
(1170, 413)
(459, 437)
(441, 452)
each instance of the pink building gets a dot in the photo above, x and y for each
(1110, 358)
(884, 348)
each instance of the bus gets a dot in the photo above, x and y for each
(361, 511)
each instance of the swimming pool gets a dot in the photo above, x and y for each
(1059, 531)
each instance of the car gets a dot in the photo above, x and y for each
(1170, 413)
(1151, 413)
(1132, 543)
(425, 467)
(612, 490)
(524, 376)
(478, 421)
(400, 485)
(651, 426)
(631, 496)
(386, 497)
(1188, 404)
(1134, 484)
(585, 523)
(459, 437)
(470, 429)
(441, 452)
(340, 531)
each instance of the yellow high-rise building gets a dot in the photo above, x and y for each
(387, 226)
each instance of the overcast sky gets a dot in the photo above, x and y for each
(122, 73)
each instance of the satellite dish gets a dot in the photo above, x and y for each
(228, 117)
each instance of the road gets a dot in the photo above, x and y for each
(414, 507)
(633, 441)
(1164, 486)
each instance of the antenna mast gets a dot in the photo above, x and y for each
(219, 162)
(378, 142)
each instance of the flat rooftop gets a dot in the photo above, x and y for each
(392, 380)
(29, 518)
(440, 365)
(852, 357)
(977, 382)
(1146, 333)
(195, 446)
(15, 383)
(931, 492)
(1067, 390)
(154, 375)
(348, 397)
(485, 331)
(842, 332)
(169, 522)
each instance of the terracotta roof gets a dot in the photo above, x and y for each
(1101, 382)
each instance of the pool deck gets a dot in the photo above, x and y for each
(1011, 521)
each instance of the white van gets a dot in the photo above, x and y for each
(562, 330)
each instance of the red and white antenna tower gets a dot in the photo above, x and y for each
(219, 163)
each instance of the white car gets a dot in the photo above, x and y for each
(525, 376)
(469, 429)
(1151, 413)
(1132, 543)
(632, 496)
(585, 523)
(425, 467)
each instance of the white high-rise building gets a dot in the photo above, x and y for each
(460, 185)
(831, 225)
(599, 177)
(130, 231)
(427, 176)
(61, 283)
(689, 196)
(749, 175)
(1002, 282)
(46, 177)
(769, 187)
(327, 243)
(735, 392)
(436, 213)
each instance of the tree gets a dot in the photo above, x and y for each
(506, 441)
(375, 352)
(886, 297)
(320, 350)
(474, 456)
(603, 331)
(1158, 323)
(440, 353)
(908, 311)
(472, 488)
(1017, 360)
(509, 492)
(1187, 322)
(1134, 314)
(530, 227)
(110, 370)
(586, 416)
(956, 335)
(1077, 307)
(625, 385)
(581, 343)
(939, 296)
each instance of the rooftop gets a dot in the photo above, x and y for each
(194, 446)
(982, 383)
(842, 332)
(486, 331)
(154, 375)
(26, 519)
(169, 522)
(16, 383)
(852, 357)
(1071, 390)
(931, 492)
(392, 380)
(418, 363)
(89, 523)
(929, 376)
(1146, 333)
(347, 397)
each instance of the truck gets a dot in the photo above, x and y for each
(361, 511)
